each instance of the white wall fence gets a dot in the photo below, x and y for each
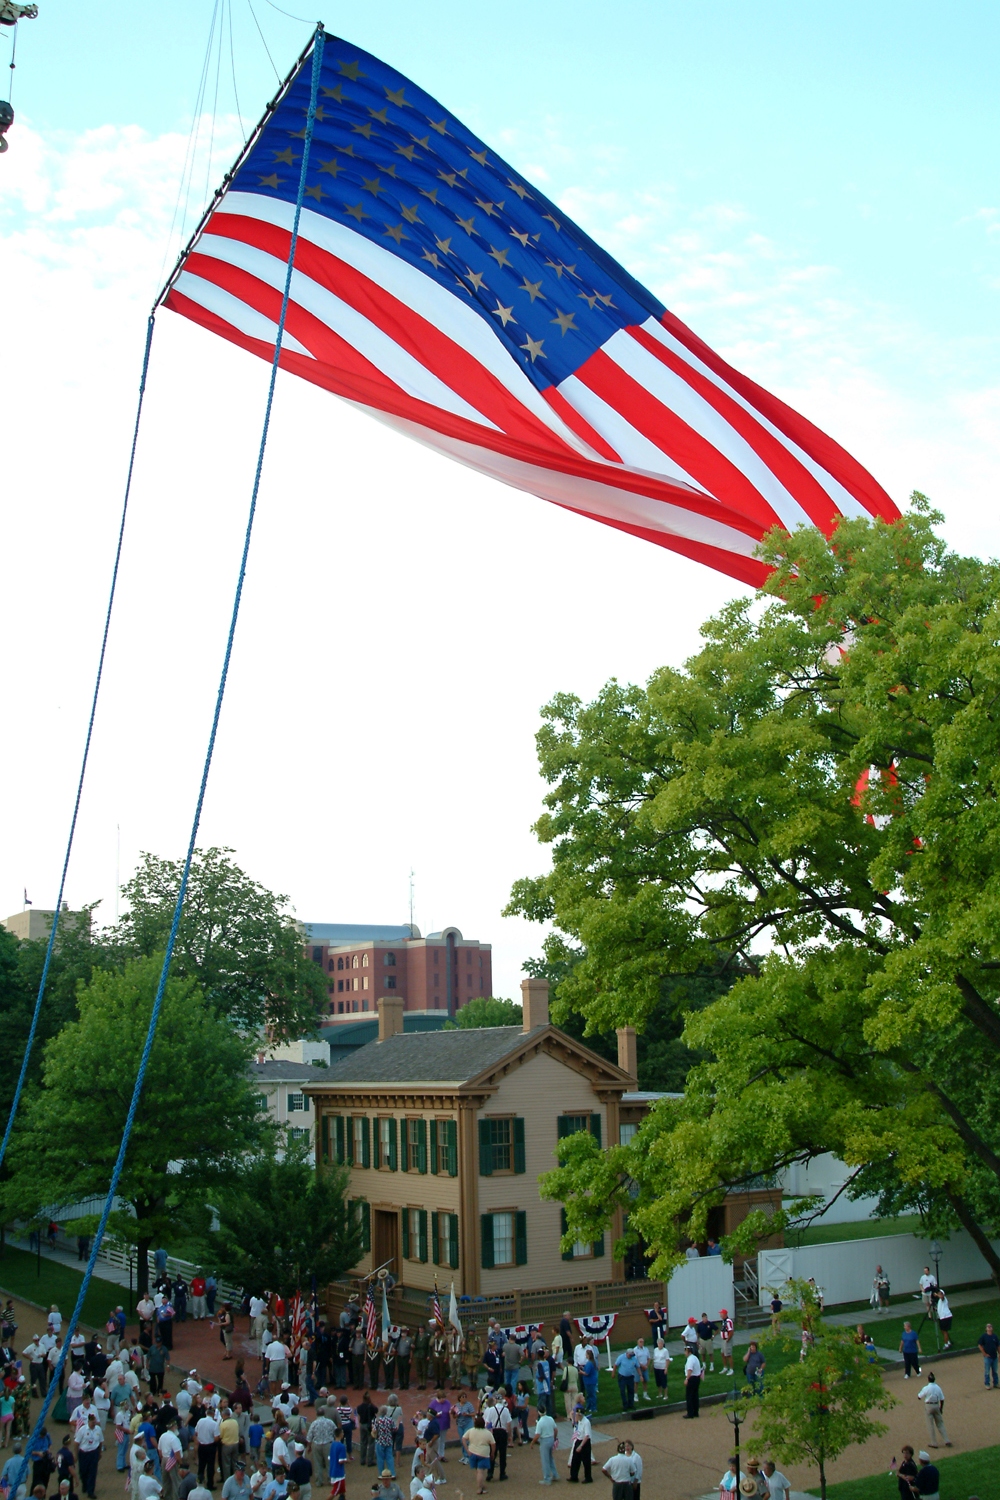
(698, 1286)
(845, 1269)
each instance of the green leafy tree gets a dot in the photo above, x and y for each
(235, 938)
(815, 1408)
(485, 1010)
(282, 1222)
(812, 799)
(196, 1118)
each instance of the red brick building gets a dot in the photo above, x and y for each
(434, 976)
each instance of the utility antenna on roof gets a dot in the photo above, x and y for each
(411, 903)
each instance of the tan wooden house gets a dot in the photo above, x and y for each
(446, 1134)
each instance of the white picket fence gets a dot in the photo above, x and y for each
(845, 1269)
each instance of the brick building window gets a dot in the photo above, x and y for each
(390, 982)
(364, 960)
(340, 963)
(390, 960)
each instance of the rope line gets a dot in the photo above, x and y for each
(317, 62)
(32, 1032)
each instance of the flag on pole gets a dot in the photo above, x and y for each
(453, 1317)
(436, 1306)
(298, 1320)
(438, 288)
(371, 1322)
(386, 1320)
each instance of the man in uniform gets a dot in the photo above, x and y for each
(456, 1344)
(439, 1356)
(421, 1353)
(404, 1349)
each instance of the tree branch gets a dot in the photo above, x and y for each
(968, 1223)
(976, 1010)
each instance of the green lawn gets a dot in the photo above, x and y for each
(57, 1283)
(965, 1330)
(863, 1229)
(609, 1398)
(961, 1476)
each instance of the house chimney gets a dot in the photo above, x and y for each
(390, 1016)
(627, 1059)
(534, 1003)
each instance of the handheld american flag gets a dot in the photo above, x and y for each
(439, 289)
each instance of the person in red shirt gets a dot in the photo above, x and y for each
(199, 1307)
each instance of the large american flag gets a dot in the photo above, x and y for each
(439, 289)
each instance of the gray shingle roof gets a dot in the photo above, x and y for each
(427, 1056)
(275, 1070)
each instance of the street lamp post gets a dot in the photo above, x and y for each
(936, 1252)
(736, 1412)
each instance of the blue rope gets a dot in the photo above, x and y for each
(317, 63)
(83, 767)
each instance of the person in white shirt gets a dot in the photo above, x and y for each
(544, 1436)
(630, 1452)
(642, 1363)
(258, 1311)
(689, 1336)
(102, 1402)
(276, 1354)
(580, 1452)
(692, 1384)
(79, 1415)
(145, 1308)
(171, 1451)
(928, 1286)
(149, 1485)
(55, 1319)
(580, 1353)
(281, 1453)
(933, 1398)
(944, 1317)
(661, 1366)
(206, 1433)
(620, 1471)
(778, 1486)
(75, 1383)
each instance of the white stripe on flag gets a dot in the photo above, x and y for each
(581, 494)
(842, 498)
(441, 308)
(677, 396)
(636, 449)
(243, 318)
(357, 330)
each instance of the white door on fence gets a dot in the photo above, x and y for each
(699, 1286)
(774, 1267)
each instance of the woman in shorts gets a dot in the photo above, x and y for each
(661, 1364)
(479, 1444)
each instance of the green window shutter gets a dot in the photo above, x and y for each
(453, 1241)
(366, 1225)
(393, 1153)
(598, 1246)
(566, 1254)
(519, 1147)
(595, 1128)
(325, 1138)
(406, 1234)
(435, 1240)
(422, 1147)
(485, 1155)
(338, 1121)
(366, 1142)
(520, 1238)
(434, 1146)
(451, 1136)
(422, 1225)
(486, 1231)
(563, 1126)
(349, 1139)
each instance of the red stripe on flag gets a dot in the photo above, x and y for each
(835, 459)
(554, 396)
(452, 364)
(793, 474)
(675, 439)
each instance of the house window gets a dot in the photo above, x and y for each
(444, 1147)
(390, 982)
(626, 1133)
(501, 1148)
(296, 1102)
(570, 1124)
(364, 1213)
(260, 1101)
(387, 1143)
(390, 960)
(299, 1134)
(415, 1145)
(503, 1239)
(444, 1235)
(359, 1141)
(415, 1233)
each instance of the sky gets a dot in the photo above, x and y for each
(811, 188)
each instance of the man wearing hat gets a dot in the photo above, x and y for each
(927, 1482)
(388, 1489)
(237, 1486)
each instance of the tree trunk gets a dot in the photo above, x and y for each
(968, 1223)
(142, 1266)
(822, 1480)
